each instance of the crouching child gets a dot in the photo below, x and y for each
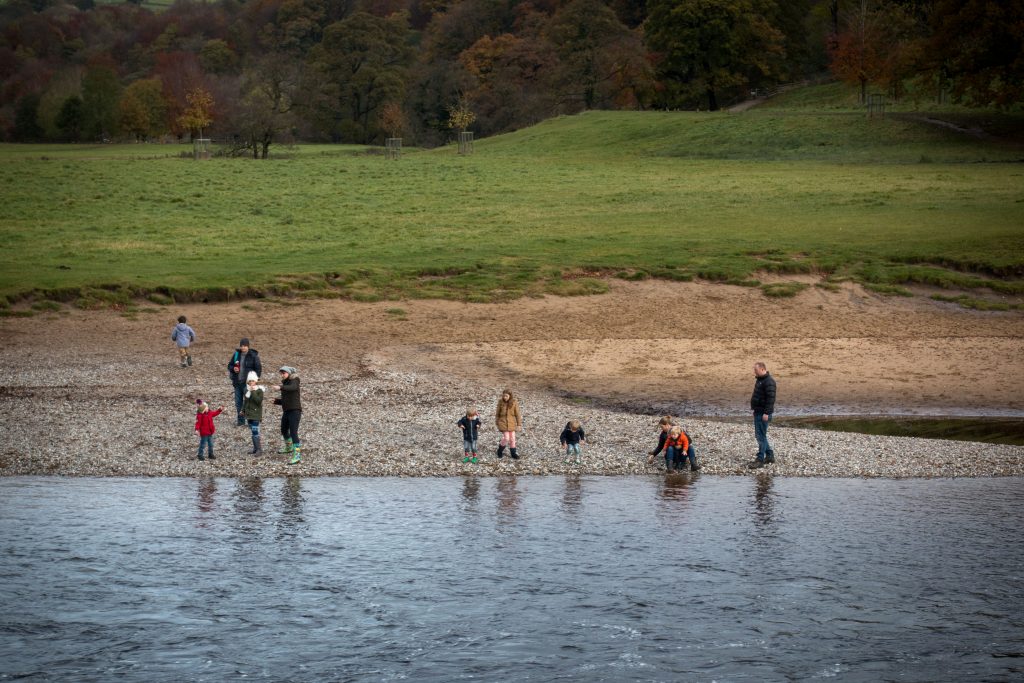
(572, 436)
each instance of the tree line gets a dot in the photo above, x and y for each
(357, 71)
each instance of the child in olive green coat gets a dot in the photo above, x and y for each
(252, 410)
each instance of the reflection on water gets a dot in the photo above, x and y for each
(763, 498)
(206, 495)
(508, 497)
(572, 495)
(684, 577)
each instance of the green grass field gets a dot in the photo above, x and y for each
(797, 189)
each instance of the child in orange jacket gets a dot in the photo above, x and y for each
(675, 448)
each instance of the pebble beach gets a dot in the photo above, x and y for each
(99, 393)
(386, 424)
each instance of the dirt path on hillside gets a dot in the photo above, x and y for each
(655, 346)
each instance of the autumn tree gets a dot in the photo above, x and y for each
(392, 119)
(26, 120)
(142, 109)
(198, 112)
(217, 57)
(460, 116)
(509, 81)
(268, 92)
(358, 67)
(433, 85)
(703, 48)
(862, 48)
(70, 119)
(601, 62)
(180, 73)
(979, 46)
(101, 92)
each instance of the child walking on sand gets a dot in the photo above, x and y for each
(509, 419)
(572, 436)
(470, 424)
(205, 428)
(252, 410)
(183, 336)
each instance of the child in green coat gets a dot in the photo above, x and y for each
(252, 410)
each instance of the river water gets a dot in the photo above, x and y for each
(511, 579)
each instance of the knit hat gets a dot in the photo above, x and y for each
(244, 342)
(252, 377)
(289, 369)
(201, 404)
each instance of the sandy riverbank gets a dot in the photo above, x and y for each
(100, 394)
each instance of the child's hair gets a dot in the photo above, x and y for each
(574, 425)
(675, 431)
(471, 412)
(667, 420)
(182, 319)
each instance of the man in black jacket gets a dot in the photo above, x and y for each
(762, 403)
(243, 361)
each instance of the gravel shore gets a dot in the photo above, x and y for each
(100, 393)
(378, 422)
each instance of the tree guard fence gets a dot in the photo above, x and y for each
(392, 148)
(876, 105)
(466, 142)
(201, 148)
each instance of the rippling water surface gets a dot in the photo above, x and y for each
(542, 579)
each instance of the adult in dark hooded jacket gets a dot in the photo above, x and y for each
(243, 361)
(291, 405)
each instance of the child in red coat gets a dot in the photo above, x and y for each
(205, 428)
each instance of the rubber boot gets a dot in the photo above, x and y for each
(188, 359)
(512, 452)
(257, 449)
(287, 447)
(296, 454)
(210, 455)
(501, 451)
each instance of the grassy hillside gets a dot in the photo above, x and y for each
(675, 195)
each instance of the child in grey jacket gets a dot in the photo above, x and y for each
(183, 336)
